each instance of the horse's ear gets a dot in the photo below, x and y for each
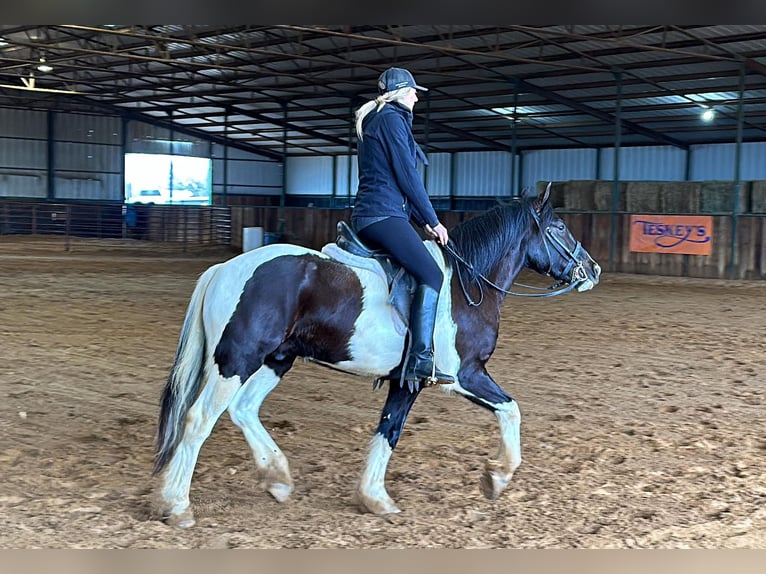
(539, 202)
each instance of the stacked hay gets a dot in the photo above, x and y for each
(578, 195)
(758, 197)
(682, 197)
(642, 197)
(602, 195)
(718, 197)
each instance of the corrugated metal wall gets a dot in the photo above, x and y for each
(23, 153)
(655, 163)
(478, 174)
(439, 174)
(716, 162)
(238, 172)
(482, 174)
(558, 165)
(310, 176)
(343, 171)
(88, 157)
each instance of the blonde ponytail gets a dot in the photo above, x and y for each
(379, 102)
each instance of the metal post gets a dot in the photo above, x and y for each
(333, 201)
(514, 119)
(737, 162)
(613, 222)
(452, 179)
(51, 167)
(224, 196)
(170, 175)
(123, 150)
(283, 195)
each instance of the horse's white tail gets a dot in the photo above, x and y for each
(184, 381)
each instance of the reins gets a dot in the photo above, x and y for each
(479, 278)
(577, 273)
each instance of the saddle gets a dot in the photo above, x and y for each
(401, 285)
(351, 250)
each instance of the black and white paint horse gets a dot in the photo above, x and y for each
(250, 317)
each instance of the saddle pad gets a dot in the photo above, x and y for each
(342, 256)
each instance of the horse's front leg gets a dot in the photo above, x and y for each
(371, 495)
(479, 388)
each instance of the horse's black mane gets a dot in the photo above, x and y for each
(485, 239)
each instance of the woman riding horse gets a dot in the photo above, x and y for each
(390, 193)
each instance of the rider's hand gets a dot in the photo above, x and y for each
(439, 233)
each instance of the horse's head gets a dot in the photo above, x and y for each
(553, 251)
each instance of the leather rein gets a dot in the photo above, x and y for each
(574, 270)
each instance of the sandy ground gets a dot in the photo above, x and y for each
(642, 403)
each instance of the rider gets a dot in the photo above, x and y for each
(391, 192)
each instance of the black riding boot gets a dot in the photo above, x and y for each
(419, 363)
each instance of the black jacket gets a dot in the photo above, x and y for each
(389, 183)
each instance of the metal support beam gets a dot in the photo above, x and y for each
(283, 195)
(613, 220)
(514, 119)
(608, 118)
(737, 174)
(286, 124)
(51, 162)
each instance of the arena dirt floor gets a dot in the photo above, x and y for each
(642, 403)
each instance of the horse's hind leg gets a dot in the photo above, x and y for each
(200, 420)
(480, 389)
(371, 495)
(270, 461)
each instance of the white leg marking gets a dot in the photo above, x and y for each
(371, 494)
(200, 420)
(498, 471)
(244, 410)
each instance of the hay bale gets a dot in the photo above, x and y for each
(718, 197)
(578, 195)
(603, 191)
(680, 197)
(642, 197)
(758, 196)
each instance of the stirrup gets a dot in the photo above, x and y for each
(438, 378)
(434, 378)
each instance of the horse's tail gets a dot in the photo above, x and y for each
(185, 379)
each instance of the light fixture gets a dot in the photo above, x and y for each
(4, 42)
(43, 66)
(708, 115)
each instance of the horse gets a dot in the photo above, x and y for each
(251, 316)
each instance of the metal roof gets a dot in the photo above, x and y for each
(292, 89)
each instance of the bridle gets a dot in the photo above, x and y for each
(574, 271)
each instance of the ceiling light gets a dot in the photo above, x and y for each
(708, 115)
(43, 66)
(4, 43)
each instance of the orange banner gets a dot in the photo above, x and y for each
(689, 234)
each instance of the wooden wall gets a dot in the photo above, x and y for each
(316, 227)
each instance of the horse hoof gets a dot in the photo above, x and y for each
(376, 506)
(183, 520)
(280, 491)
(492, 485)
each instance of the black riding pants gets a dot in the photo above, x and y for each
(397, 236)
